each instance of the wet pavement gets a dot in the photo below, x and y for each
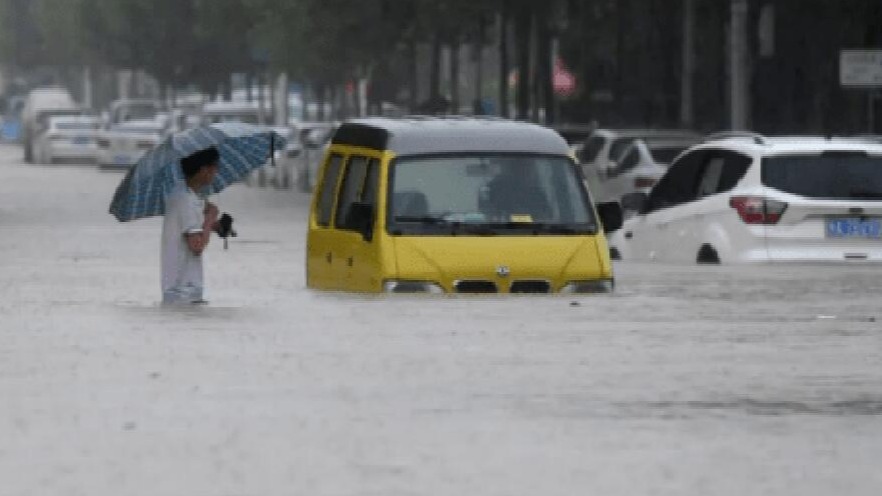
(689, 380)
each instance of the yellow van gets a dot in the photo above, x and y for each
(455, 205)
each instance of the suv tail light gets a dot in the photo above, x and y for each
(643, 182)
(758, 209)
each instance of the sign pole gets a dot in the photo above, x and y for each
(862, 69)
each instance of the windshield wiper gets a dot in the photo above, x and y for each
(427, 219)
(492, 228)
(456, 227)
(548, 228)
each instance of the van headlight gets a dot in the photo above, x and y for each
(396, 286)
(589, 287)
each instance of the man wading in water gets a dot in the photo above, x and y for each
(186, 230)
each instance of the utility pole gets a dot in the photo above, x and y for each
(739, 98)
(687, 76)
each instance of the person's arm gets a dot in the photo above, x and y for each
(197, 240)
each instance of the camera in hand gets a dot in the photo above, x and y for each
(224, 228)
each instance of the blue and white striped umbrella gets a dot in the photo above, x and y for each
(242, 148)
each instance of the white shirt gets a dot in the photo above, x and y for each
(181, 269)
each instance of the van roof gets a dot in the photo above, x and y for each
(416, 135)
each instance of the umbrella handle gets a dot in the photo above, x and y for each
(272, 148)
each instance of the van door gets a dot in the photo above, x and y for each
(359, 256)
(320, 247)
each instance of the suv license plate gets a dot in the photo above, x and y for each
(854, 228)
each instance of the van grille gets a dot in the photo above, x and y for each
(530, 287)
(476, 287)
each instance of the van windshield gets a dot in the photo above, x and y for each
(487, 195)
(832, 175)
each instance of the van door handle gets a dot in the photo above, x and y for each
(329, 257)
(349, 261)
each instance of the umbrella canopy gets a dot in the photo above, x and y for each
(242, 148)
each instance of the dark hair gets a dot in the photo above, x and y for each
(203, 158)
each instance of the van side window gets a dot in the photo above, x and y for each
(371, 183)
(352, 189)
(328, 187)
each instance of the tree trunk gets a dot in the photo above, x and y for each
(435, 70)
(413, 75)
(619, 91)
(688, 64)
(454, 76)
(356, 95)
(545, 65)
(320, 101)
(479, 70)
(503, 59)
(523, 38)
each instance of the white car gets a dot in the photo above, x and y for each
(235, 111)
(316, 138)
(604, 146)
(639, 167)
(285, 158)
(68, 138)
(124, 144)
(743, 198)
(131, 110)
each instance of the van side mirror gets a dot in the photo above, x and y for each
(360, 218)
(637, 201)
(610, 215)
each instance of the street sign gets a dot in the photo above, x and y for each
(860, 68)
(564, 81)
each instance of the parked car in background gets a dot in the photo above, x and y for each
(601, 149)
(315, 138)
(68, 138)
(235, 111)
(11, 131)
(639, 167)
(282, 174)
(124, 144)
(741, 198)
(40, 104)
(131, 110)
(186, 116)
(574, 133)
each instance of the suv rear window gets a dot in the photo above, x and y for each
(830, 175)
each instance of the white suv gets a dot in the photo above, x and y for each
(741, 197)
